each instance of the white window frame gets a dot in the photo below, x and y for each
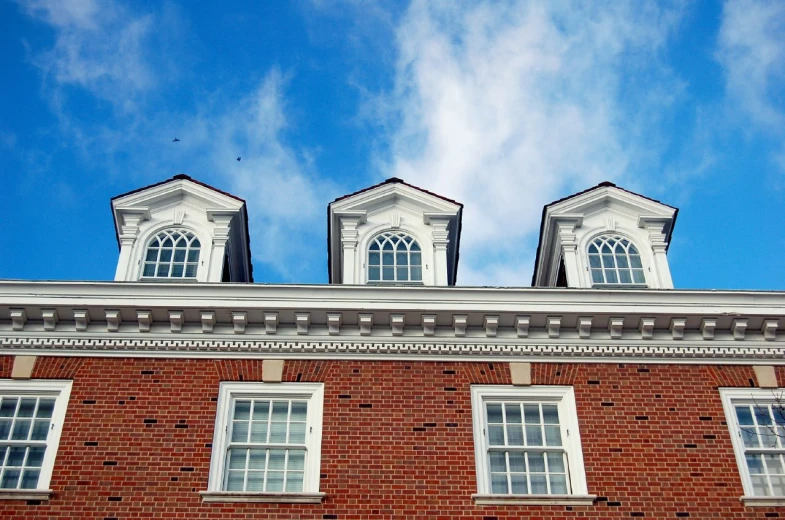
(564, 398)
(379, 239)
(168, 230)
(730, 398)
(61, 391)
(602, 238)
(228, 392)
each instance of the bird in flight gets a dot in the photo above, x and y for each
(175, 140)
(238, 159)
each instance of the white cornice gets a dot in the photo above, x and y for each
(670, 325)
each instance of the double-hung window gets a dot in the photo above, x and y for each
(756, 418)
(267, 442)
(527, 445)
(31, 419)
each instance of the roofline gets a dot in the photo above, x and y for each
(603, 184)
(393, 180)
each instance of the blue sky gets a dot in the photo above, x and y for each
(504, 106)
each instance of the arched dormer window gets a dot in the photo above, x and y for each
(172, 253)
(614, 260)
(394, 257)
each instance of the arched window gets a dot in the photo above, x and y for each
(394, 257)
(173, 253)
(614, 260)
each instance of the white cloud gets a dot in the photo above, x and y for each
(751, 48)
(99, 46)
(504, 106)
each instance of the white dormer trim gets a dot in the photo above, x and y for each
(571, 224)
(355, 220)
(217, 219)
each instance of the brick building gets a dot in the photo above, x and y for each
(183, 390)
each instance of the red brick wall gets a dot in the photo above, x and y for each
(397, 440)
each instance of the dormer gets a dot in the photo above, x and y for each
(605, 237)
(182, 230)
(393, 233)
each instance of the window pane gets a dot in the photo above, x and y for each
(518, 483)
(499, 484)
(536, 462)
(278, 433)
(257, 459)
(16, 456)
(607, 261)
(387, 247)
(261, 410)
(402, 274)
(26, 408)
(750, 437)
(414, 247)
(606, 250)
(10, 479)
(494, 412)
(190, 270)
(374, 246)
(255, 481)
(533, 436)
(294, 482)
(550, 414)
(762, 416)
(21, 430)
(635, 261)
(35, 457)
(235, 481)
(621, 261)
(177, 270)
(5, 429)
(193, 255)
(556, 462)
(538, 484)
(513, 413)
(277, 459)
(625, 277)
(388, 274)
(297, 433)
(553, 436)
(558, 484)
(45, 408)
(299, 410)
(280, 410)
(514, 435)
(237, 459)
(296, 460)
(610, 276)
(388, 259)
(163, 271)
(242, 410)
(167, 242)
(744, 415)
(495, 435)
(259, 431)
(759, 486)
(274, 481)
(778, 486)
(240, 431)
(416, 274)
(774, 464)
(498, 462)
(593, 249)
(152, 254)
(179, 255)
(517, 462)
(401, 258)
(373, 274)
(415, 259)
(149, 270)
(30, 478)
(532, 413)
(373, 259)
(40, 430)
(594, 261)
(596, 276)
(166, 255)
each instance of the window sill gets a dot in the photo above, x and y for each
(751, 501)
(269, 498)
(533, 500)
(25, 494)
